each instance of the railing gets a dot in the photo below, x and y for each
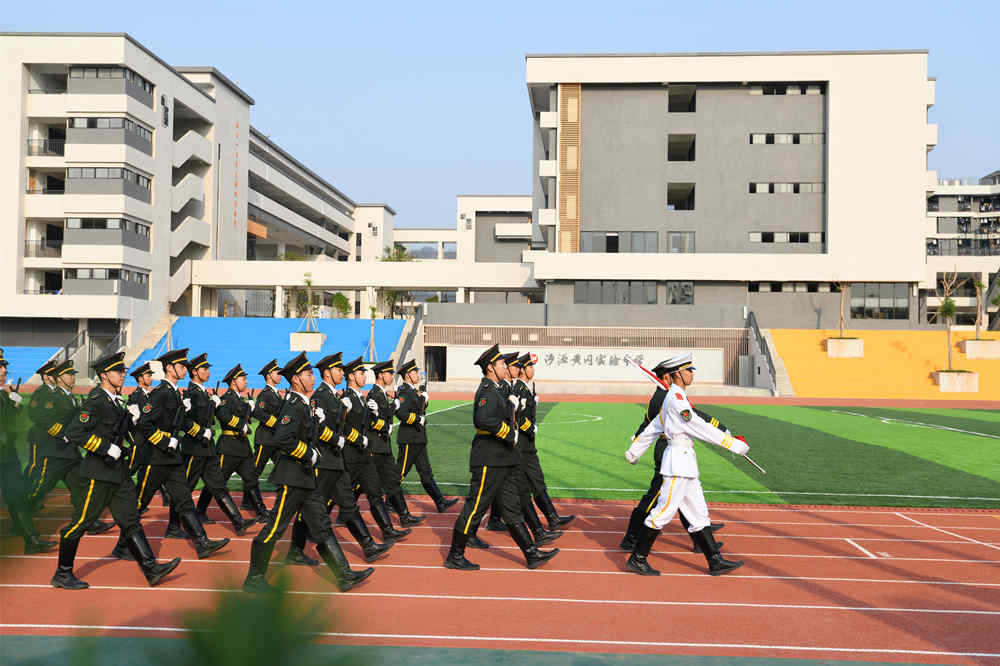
(43, 248)
(46, 91)
(407, 347)
(98, 350)
(70, 348)
(45, 190)
(763, 349)
(56, 147)
(42, 292)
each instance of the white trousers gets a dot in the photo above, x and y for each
(679, 492)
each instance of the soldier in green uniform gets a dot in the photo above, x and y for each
(411, 438)
(101, 428)
(14, 485)
(160, 420)
(266, 408)
(334, 481)
(56, 459)
(232, 451)
(38, 396)
(381, 402)
(648, 501)
(358, 461)
(296, 476)
(493, 462)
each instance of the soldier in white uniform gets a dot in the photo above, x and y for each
(681, 489)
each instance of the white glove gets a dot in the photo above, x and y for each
(364, 441)
(216, 400)
(630, 457)
(395, 403)
(427, 396)
(114, 451)
(346, 402)
(246, 429)
(315, 456)
(515, 437)
(372, 405)
(389, 434)
(16, 397)
(187, 403)
(534, 429)
(514, 401)
(207, 433)
(538, 400)
(739, 447)
(134, 411)
(423, 420)
(252, 403)
(320, 414)
(340, 442)
(523, 403)
(172, 445)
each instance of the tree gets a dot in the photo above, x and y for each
(392, 297)
(341, 305)
(980, 288)
(844, 288)
(948, 284)
(947, 310)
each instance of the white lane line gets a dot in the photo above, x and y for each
(863, 550)
(562, 600)
(448, 409)
(548, 641)
(957, 536)
(918, 424)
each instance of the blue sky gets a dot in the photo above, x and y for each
(413, 103)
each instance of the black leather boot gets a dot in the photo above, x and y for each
(257, 504)
(22, 521)
(204, 501)
(240, 524)
(717, 565)
(381, 514)
(542, 535)
(64, 577)
(260, 558)
(121, 550)
(296, 551)
(695, 547)
(174, 530)
(100, 526)
(331, 553)
(440, 501)
(398, 503)
(634, 525)
(556, 521)
(473, 540)
(456, 554)
(533, 557)
(202, 543)
(495, 522)
(247, 501)
(165, 498)
(373, 550)
(138, 546)
(644, 543)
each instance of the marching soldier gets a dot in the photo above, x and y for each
(101, 428)
(197, 445)
(232, 453)
(411, 439)
(56, 460)
(160, 420)
(495, 523)
(679, 423)
(14, 486)
(649, 499)
(38, 396)
(530, 477)
(381, 408)
(493, 462)
(266, 408)
(333, 481)
(296, 477)
(357, 460)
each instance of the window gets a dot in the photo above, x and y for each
(775, 89)
(611, 243)
(757, 138)
(420, 250)
(614, 292)
(782, 188)
(753, 287)
(681, 99)
(754, 237)
(880, 300)
(680, 196)
(644, 241)
(767, 237)
(619, 241)
(680, 293)
(450, 250)
(786, 188)
(680, 241)
(798, 237)
(785, 138)
(108, 223)
(680, 147)
(115, 173)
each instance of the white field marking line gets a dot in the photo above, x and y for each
(448, 409)
(917, 424)
(529, 640)
(957, 536)
(757, 492)
(588, 418)
(562, 600)
(863, 550)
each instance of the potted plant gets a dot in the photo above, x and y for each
(310, 339)
(843, 346)
(952, 380)
(980, 347)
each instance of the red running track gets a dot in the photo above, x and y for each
(871, 584)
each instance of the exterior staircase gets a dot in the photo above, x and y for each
(152, 336)
(782, 380)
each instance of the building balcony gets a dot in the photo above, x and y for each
(43, 249)
(46, 147)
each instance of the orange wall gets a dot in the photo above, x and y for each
(897, 364)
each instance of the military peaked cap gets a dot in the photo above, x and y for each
(234, 374)
(110, 362)
(524, 360)
(271, 366)
(408, 367)
(47, 368)
(385, 366)
(174, 356)
(331, 361)
(679, 362)
(355, 365)
(488, 356)
(295, 366)
(199, 361)
(63, 369)
(141, 370)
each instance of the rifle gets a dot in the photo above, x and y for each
(17, 387)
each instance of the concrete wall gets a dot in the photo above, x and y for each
(105, 287)
(108, 136)
(625, 171)
(107, 186)
(105, 237)
(110, 87)
(488, 247)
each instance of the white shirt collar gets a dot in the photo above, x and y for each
(172, 384)
(111, 395)
(304, 399)
(65, 391)
(330, 386)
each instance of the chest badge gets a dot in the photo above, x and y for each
(48, 405)
(147, 408)
(482, 402)
(84, 417)
(286, 419)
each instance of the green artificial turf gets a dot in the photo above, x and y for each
(813, 455)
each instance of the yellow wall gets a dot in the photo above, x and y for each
(897, 364)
